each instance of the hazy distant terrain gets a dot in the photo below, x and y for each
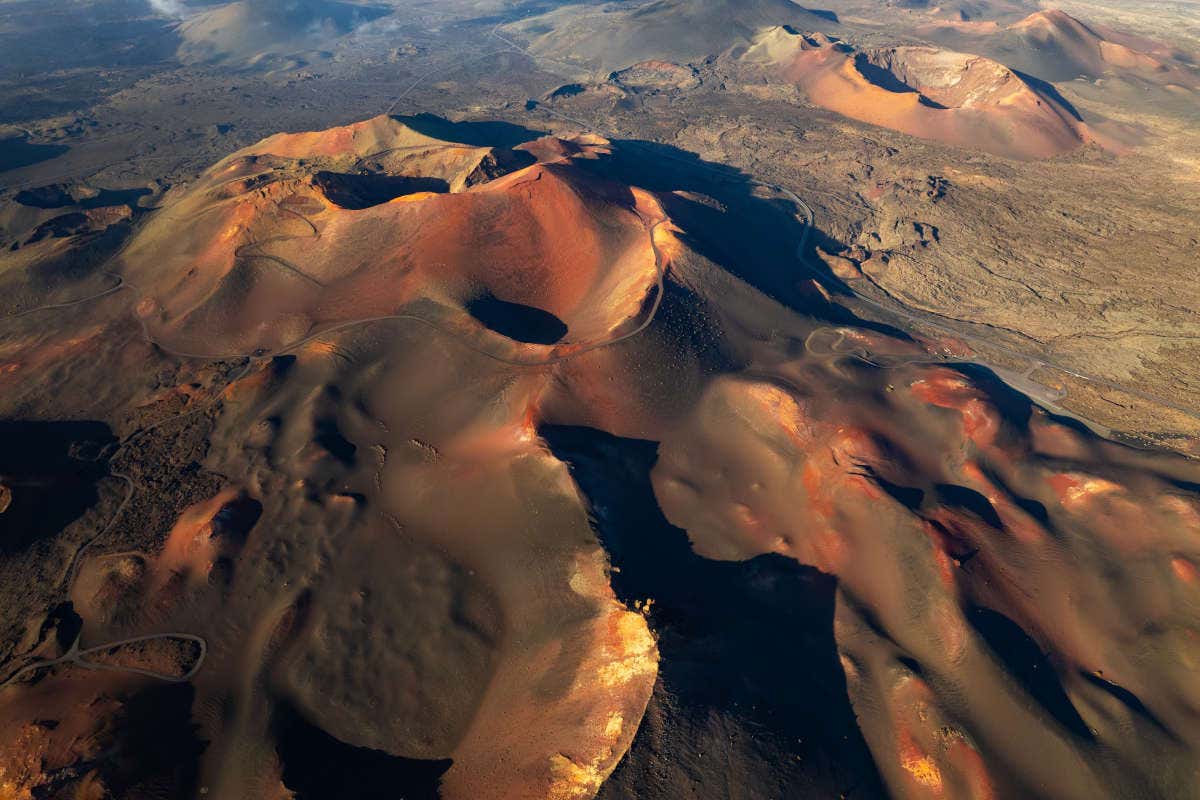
(1173, 21)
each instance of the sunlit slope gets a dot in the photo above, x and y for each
(294, 235)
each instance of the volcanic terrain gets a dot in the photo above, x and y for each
(659, 399)
(395, 567)
(1068, 48)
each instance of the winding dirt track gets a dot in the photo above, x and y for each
(77, 657)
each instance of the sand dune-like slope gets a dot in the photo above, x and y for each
(246, 30)
(397, 581)
(956, 98)
(612, 36)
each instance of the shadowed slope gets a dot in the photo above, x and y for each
(750, 687)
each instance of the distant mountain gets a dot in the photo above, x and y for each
(248, 30)
(616, 35)
(1054, 46)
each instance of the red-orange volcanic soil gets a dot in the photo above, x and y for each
(401, 587)
(956, 98)
(252, 256)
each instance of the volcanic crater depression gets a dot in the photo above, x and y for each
(261, 252)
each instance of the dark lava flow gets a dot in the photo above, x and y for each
(51, 470)
(317, 766)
